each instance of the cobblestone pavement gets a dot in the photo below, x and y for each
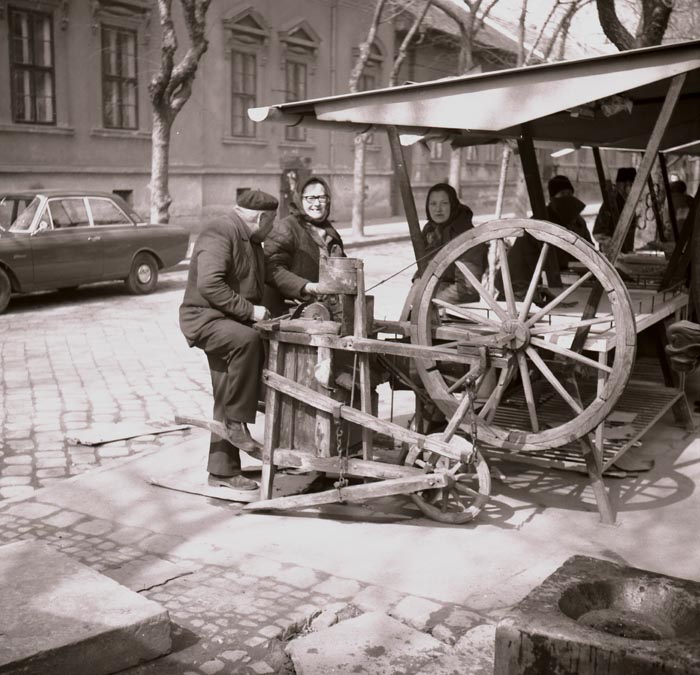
(231, 617)
(97, 355)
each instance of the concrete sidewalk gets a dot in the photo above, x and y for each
(238, 585)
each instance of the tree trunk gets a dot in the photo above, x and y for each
(358, 186)
(455, 169)
(160, 156)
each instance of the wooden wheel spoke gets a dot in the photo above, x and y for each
(468, 314)
(458, 383)
(483, 292)
(552, 379)
(527, 390)
(558, 300)
(505, 276)
(543, 330)
(466, 490)
(493, 401)
(568, 353)
(527, 303)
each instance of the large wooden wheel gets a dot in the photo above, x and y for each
(545, 391)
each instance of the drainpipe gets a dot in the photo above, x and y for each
(334, 87)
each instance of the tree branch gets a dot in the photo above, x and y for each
(403, 49)
(612, 26)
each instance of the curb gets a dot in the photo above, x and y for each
(359, 244)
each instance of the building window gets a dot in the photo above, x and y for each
(296, 91)
(244, 85)
(32, 67)
(119, 78)
(436, 150)
(300, 44)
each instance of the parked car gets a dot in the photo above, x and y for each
(62, 239)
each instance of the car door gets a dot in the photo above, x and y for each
(68, 251)
(118, 236)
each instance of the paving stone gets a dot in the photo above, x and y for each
(64, 519)
(371, 643)
(18, 459)
(8, 481)
(211, 667)
(270, 631)
(93, 527)
(16, 491)
(415, 611)
(139, 575)
(462, 619)
(338, 587)
(94, 626)
(16, 470)
(299, 577)
(261, 668)
(129, 535)
(160, 543)
(376, 598)
(32, 510)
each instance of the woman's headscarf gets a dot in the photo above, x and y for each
(455, 205)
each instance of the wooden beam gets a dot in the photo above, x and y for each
(409, 203)
(352, 493)
(307, 460)
(313, 398)
(360, 329)
(533, 181)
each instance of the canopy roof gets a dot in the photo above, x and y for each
(604, 101)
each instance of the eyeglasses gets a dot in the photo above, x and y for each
(321, 199)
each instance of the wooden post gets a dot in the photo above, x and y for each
(656, 209)
(609, 200)
(363, 359)
(409, 203)
(275, 363)
(528, 160)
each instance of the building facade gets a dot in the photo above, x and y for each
(75, 109)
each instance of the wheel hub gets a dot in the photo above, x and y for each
(517, 334)
(144, 274)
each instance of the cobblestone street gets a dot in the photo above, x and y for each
(97, 355)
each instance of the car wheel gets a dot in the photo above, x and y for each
(143, 277)
(5, 291)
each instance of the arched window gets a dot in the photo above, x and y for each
(247, 36)
(299, 53)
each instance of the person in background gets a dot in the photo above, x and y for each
(605, 222)
(223, 299)
(448, 218)
(682, 201)
(565, 209)
(296, 245)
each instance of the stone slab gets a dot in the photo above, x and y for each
(59, 616)
(371, 643)
(595, 617)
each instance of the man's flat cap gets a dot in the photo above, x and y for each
(257, 200)
(626, 174)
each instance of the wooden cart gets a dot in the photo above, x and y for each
(539, 380)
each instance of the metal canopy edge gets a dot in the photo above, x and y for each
(554, 98)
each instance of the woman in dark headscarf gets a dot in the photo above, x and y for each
(297, 243)
(447, 219)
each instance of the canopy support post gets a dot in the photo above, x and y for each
(609, 200)
(531, 173)
(409, 204)
(627, 214)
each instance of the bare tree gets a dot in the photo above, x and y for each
(170, 88)
(358, 187)
(653, 18)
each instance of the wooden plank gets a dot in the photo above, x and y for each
(213, 492)
(290, 388)
(308, 461)
(324, 421)
(409, 205)
(383, 488)
(108, 432)
(271, 439)
(363, 359)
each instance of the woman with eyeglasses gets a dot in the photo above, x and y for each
(296, 245)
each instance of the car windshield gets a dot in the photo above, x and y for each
(26, 218)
